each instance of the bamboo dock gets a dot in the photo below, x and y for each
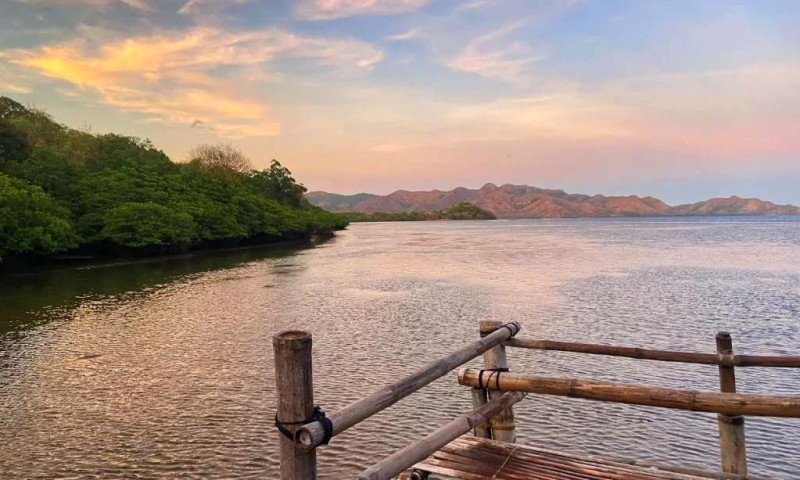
(481, 444)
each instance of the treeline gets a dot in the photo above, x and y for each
(458, 211)
(64, 190)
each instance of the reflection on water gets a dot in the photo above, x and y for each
(161, 369)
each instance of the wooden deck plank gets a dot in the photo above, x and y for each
(473, 458)
(592, 469)
(641, 465)
(502, 468)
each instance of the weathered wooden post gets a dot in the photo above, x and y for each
(479, 400)
(295, 401)
(502, 426)
(731, 427)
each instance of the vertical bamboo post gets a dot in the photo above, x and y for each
(479, 400)
(295, 400)
(731, 427)
(502, 426)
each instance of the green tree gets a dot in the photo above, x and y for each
(145, 224)
(51, 171)
(277, 183)
(14, 144)
(31, 221)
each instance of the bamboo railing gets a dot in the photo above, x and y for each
(295, 398)
(647, 395)
(495, 390)
(312, 434)
(725, 359)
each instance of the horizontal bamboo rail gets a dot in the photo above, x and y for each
(693, 400)
(728, 360)
(312, 434)
(421, 449)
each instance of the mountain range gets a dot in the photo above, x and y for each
(523, 201)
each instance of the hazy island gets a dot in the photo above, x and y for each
(66, 191)
(457, 211)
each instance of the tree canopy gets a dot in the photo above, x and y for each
(31, 220)
(222, 156)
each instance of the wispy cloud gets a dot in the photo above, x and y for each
(413, 34)
(491, 56)
(12, 81)
(13, 88)
(136, 4)
(171, 77)
(332, 9)
(476, 4)
(197, 6)
(389, 148)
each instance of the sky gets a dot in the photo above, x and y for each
(683, 100)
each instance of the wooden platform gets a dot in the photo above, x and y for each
(474, 458)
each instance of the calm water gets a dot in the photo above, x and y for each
(162, 369)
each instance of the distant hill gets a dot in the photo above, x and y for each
(523, 201)
(336, 202)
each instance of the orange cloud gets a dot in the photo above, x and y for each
(173, 77)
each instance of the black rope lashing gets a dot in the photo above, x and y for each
(492, 371)
(513, 329)
(317, 416)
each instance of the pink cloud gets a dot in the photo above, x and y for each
(332, 9)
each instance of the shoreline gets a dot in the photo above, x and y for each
(65, 262)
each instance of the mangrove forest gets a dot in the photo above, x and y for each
(69, 192)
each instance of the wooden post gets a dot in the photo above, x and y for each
(478, 400)
(733, 452)
(295, 400)
(502, 426)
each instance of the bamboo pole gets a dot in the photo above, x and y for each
(421, 449)
(295, 400)
(727, 359)
(733, 451)
(727, 403)
(502, 426)
(478, 400)
(311, 435)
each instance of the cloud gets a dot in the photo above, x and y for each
(413, 34)
(13, 88)
(389, 148)
(476, 4)
(11, 79)
(135, 4)
(332, 9)
(174, 77)
(491, 56)
(196, 6)
(567, 115)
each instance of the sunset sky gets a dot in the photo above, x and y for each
(683, 100)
